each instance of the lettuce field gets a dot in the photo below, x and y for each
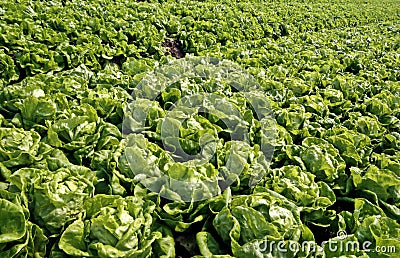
(199, 128)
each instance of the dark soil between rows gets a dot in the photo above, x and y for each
(174, 48)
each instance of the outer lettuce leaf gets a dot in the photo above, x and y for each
(116, 227)
(18, 147)
(55, 197)
(323, 160)
(8, 70)
(384, 183)
(298, 186)
(247, 221)
(354, 147)
(19, 237)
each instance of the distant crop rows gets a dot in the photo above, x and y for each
(330, 71)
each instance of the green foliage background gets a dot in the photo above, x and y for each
(330, 70)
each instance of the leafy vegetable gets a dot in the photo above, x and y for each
(93, 103)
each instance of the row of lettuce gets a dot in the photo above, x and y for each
(329, 70)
